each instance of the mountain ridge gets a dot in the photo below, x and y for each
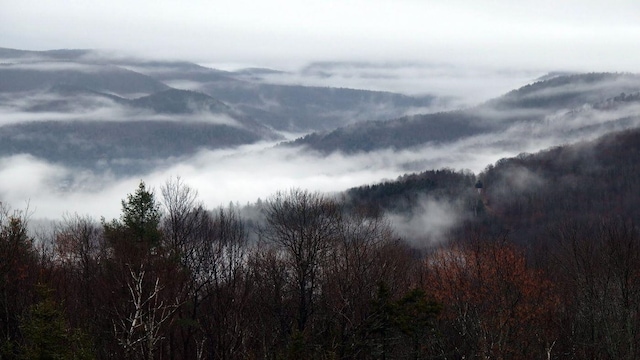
(530, 105)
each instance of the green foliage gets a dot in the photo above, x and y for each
(297, 346)
(141, 214)
(401, 327)
(139, 221)
(47, 335)
(416, 313)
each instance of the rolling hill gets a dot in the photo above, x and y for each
(84, 128)
(545, 108)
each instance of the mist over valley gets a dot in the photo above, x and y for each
(319, 180)
(83, 125)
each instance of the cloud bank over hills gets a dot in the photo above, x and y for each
(85, 127)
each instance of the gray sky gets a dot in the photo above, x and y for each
(553, 35)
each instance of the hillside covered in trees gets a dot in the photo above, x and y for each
(575, 106)
(94, 111)
(542, 262)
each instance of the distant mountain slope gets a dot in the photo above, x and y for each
(404, 194)
(577, 184)
(282, 107)
(76, 126)
(104, 78)
(175, 101)
(288, 107)
(568, 91)
(64, 98)
(304, 108)
(131, 147)
(61, 54)
(546, 106)
(525, 197)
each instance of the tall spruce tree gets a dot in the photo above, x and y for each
(141, 215)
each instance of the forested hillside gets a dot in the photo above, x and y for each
(283, 107)
(83, 109)
(542, 263)
(581, 184)
(544, 109)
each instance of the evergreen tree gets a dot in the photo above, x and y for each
(47, 335)
(139, 222)
(141, 215)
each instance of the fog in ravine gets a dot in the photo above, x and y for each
(462, 52)
(244, 174)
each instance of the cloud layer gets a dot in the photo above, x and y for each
(581, 35)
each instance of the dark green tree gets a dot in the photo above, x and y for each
(415, 318)
(141, 215)
(47, 335)
(139, 223)
(401, 328)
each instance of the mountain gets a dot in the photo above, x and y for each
(60, 54)
(545, 108)
(578, 184)
(84, 128)
(176, 101)
(40, 75)
(131, 147)
(294, 108)
(523, 197)
(404, 194)
(305, 108)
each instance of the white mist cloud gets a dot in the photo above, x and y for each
(16, 109)
(467, 85)
(50, 66)
(250, 172)
(243, 174)
(428, 223)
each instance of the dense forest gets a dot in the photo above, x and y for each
(543, 263)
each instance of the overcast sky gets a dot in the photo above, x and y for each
(580, 35)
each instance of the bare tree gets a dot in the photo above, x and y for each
(303, 226)
(139, 331)
(355, 267)
(78, 241)
(598, 263)
(227, 289)
(184, 213)
(18, 272)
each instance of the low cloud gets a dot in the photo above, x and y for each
(250, 172)
(49, 106)
(238, 175)
(52, 66)
(428, 223)
(460, 86)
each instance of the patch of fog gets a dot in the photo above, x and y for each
(53, 66)
(185, 84)
(242, 175)
(247, 173)
(462, 86)
(255, 171)
(428, 223)
(19, 109)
